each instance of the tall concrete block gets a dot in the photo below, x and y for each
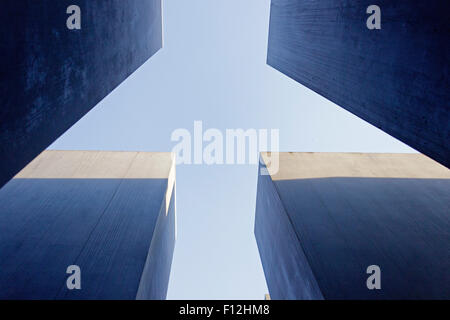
(396, 78)
(110, 213)
(51, 76)
(323, 218)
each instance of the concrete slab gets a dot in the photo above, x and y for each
(52, 76)
(110, 213)
(323, 218)
(395, 78)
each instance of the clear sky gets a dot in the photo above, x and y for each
(213, 68)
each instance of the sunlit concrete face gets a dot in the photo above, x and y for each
(51, 75)
(110, 213)
(395, 77)
(323, 218)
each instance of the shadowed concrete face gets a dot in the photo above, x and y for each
(52, 76)
(110, 213)
(395, 78)
(323, 218)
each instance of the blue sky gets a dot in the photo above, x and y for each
(213, 68)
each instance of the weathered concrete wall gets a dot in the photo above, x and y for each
(396, 78)
(110, 213)
(51, 76)
(323, 218)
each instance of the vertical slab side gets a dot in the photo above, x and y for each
(287, 270)
(51, 76)
(102, 211)
(349, 211)
(395, 78)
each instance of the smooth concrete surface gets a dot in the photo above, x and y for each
(111, 213)
(323, 218)
(51, 76)
(396, 78)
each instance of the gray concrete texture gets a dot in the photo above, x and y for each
(396, 78)
(110, 213)
(51, 76)
(323, 218)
